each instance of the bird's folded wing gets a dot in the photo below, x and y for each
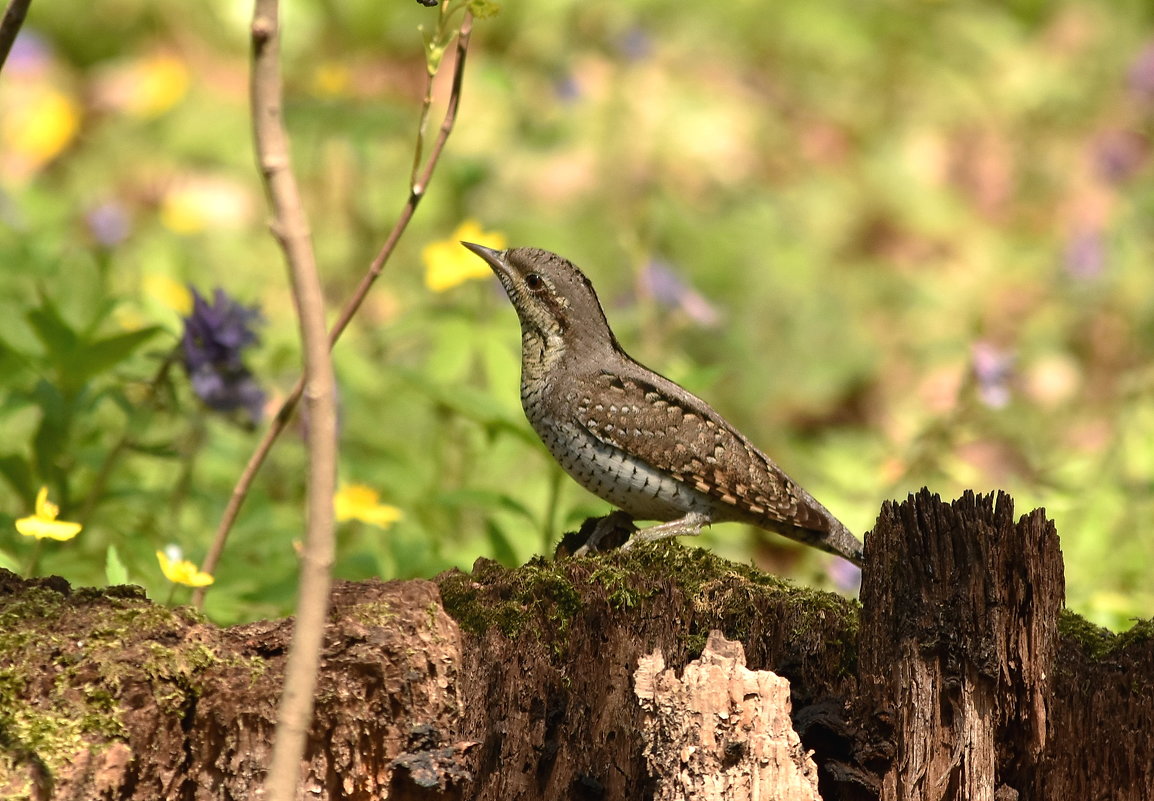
(671, 430)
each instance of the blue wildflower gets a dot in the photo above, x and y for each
(994, 370)
(635, 45)
(664, 285)
(567, 88)
(108, 223)
(1085, 255)
(214, 336)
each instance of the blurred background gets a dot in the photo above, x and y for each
(899, 244)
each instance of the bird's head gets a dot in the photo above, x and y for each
(553, 299)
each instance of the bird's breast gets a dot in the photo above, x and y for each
(614, 476)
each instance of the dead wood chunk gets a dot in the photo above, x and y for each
(959, 635)
(721, 731)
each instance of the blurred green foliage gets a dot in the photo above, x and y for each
(898, 243)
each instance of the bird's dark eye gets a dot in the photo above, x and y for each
(535, 282)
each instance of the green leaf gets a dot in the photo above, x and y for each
(75, 358)
(11, 360)
(471, 403)
(52, 437)
(115, 572)
(502, 367)
(18, 473)
(454, 348)
(58, 338)
(9, 562)
(104, 354)
(161, 450)
(485, 499)
(502, 549)
(104, 309)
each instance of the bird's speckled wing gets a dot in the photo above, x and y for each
(642, 417)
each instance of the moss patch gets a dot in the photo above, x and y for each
(61, 694)
(541, 598)
(510, 600)
(1098, 643)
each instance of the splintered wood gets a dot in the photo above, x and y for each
(959, 644)
(721, 731)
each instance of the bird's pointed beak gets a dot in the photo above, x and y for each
(495, 258)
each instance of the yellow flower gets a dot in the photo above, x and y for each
(161, 84)
(169, 292)
(358, 502)
(200, 202)
(447, 263)
(40, 128)
(43, 524)
(332, 79)
(182, 571)
(143, 87)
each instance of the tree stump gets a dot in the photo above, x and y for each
(960, 611)
(957, 677)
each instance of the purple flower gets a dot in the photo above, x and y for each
(993, 369)
(567, 88)
(668, 289)
(845, 576)
(1118, 154)
(1085, 256)
(1141, 76)
(634, 45)
(30, 53)
(214, 336)
(108, 223)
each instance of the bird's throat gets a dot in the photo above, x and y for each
(540, 353)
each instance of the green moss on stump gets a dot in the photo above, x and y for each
(59, 693)
(541, 598)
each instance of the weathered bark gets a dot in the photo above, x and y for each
(971, 683)
(108, 696)
(721, 732)
(959, 632)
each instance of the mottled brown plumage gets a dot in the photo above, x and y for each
(633, 437)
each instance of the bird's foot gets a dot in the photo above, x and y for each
(690, 525)
(607, 532)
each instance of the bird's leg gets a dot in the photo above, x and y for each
(613, 523)
(690, 525)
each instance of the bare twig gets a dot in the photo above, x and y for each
(10, 26)
(281, 419)
(290, 227)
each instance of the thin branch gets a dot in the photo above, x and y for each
(416, 189)
(290, 227)
(10, 26)
(281, 419)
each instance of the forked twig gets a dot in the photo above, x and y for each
(281, 419)
(291, 229)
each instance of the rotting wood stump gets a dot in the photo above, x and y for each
(959, 676)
